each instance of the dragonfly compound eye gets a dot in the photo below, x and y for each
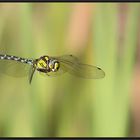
(54, 65)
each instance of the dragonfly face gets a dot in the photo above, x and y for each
(46, 64)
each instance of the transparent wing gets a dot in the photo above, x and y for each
(14, 68)
(71, 64)
(68, 58)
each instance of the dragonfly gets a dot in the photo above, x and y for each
(49, 65)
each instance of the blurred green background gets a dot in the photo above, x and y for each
(104, 35)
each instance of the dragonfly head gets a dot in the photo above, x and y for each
(54, 65)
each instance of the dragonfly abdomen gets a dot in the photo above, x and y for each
(15, 58)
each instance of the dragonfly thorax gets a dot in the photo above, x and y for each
(46, 64)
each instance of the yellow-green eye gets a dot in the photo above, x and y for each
(56, 65)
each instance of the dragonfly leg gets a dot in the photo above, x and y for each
(31, 75)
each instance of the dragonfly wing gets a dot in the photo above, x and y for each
(74, 67)
(14, 68)
(71, 59)
(86, 71)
